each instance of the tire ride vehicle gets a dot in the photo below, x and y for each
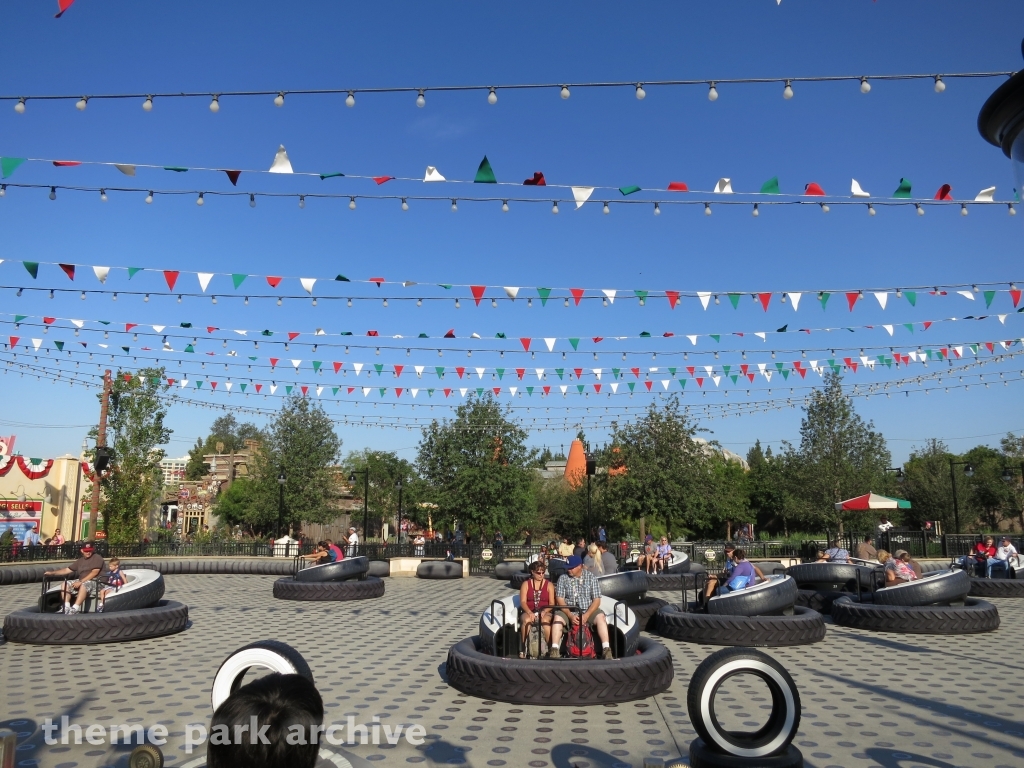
(341, 570)
(319, 591)
(439, 569)
(821, 584)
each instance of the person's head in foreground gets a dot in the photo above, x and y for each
(278, 701)
(574, 565)
(883, 556)
(537, 569)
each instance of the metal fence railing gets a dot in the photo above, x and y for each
(71, 551)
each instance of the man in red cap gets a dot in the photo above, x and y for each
(84, 571)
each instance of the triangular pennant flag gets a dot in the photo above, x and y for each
(69, 270)
(989, 295)
(795, 299)
(629, 190)
(673, 298)
(238, 279)
(903, 190)
(1015, 294)
(823, 298)
(537, 180)
(577, 294)
(943, 193)
(856, 191)
(101, 273)
(723, 187)
(888, 328)
(705, 297)
(609, 294)
(432, 174)
(381, 180)
(771, 187)
(581, 195)
(127, 170)
(986, 195)
(883, 297)
(734, 299)
(765, 299)
(678, 186)
(307, 284)
(814, 190)
(133, 271)
(851, 298)
(171, 277)
(911, 296)
(233, 176)
(484, 173)
(281, 162)
(32, 267)
(478, 290)
(511, 292)
(9, 165)
(204, 279)
(550, 344)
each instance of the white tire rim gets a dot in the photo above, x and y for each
(231, 672)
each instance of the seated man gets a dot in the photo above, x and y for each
(866, 549)
(1005, 552)
(579, 589)
(608, 562)
(740, 575)
(84, 572)
(334, 551)
(835, 554)
(252, 726)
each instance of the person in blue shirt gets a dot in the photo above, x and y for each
(743, 574)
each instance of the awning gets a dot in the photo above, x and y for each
(871, 501)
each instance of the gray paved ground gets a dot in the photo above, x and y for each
(869, 699)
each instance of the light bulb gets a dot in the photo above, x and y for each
(385, 302)
(920, 210)
(606, 210)
(279, 99)
(871, 210)
(252, 201)
(351, 203)
(421, 100)
(20, 107)
(554, 207)
(755, 213)
(279, 301)
(3, 190)
(81, 104)
(405, 205)
(865, 86)
(494, 303)
(940, 86)
(214, 299)
(963, 209)
(1011, 210)
(215, 104)
(350, 100)
(53, 193)
(657, 210)
(824, 207)
(504, 206)
(147, 105)
(492, 97)
(114, 297)
(350, 302)
(787, 92)
(246, 302)
(302, 201)
(457, 305)
(149, 198)
(640, 92)
(565, 92)
(455, 206)
(712, 92)
(103, 195)
(199, 200)
(146, 297)
(83, 296)
(707, 209)
(419, 302)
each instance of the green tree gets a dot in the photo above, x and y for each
(386, 470)
(839, 456)
(226, 432)
(476, 465)
(927, 485)
(135, 427)
(766, 490)
(237, 505)
(668, 475)
(989, 497)
(301, 444)
(1012, 447)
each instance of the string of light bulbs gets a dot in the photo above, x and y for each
(564, 89)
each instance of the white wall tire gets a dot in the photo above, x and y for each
(268, 654)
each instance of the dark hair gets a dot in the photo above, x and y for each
(322, 544)
(869, 537)
(535, 565)
(730, 545)
(280, 701)
(739, 554)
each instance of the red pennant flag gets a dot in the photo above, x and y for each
(547, 390)
(814, 189)
(69, 270)
(526, 343)
(447, 392)
(211, 329)
(751, 377)
(305, 390)
(802, 372)
(765, 299)
(171, 277)
(850, 364)
(292, 335)
(648, 385)
(14, 341)
(351, 390)
(377, 280)
(66, 163)
(260, 386)
(398, 370)
(381, 179)
(578, 372)
(127, 377)
(52, 320)
(63, 5)
(678, 186)
(213, 384)
(274, 281)
(536, 181)
(450, 334)
(520, 372)
(597, 388)
(744, 369)
(337, 367)
(460, 371)
(673, 298)
(700, 383)
(577, 294)
(478, 292)
(989, 345)
(927, 324)
(690, 369)
(497, 390)
(233, 176)
(398, 391)
(127, 326)
(636, 372)
(372, 333)
(944, 352)
(851, 298)
(1015, 295)
(943, 193)
(170, 382)
(598, 339)
(668, 334)
(274, 361)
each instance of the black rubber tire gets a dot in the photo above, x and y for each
(266, 654)
(783, 722)
(836, 577)
(517, 580)
(30, 626)
(803, 627)
(942, 588)
(507, 569)
(342, 570)
(702, 756)
(146, 756)
(1005, 588)
(379, 568)
(569, 683)
(769, 567)
(23, 574)
(670, 582)
(822, 601)
(646, 612)
(975, 616)
(258, 566)
(629, 586)
(360, 589)
(681, 567)
(439, 569)
(125, 600)
(769, 600)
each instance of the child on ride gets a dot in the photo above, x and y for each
(112, 581)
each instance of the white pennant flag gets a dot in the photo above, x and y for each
(665, 383)
(716, 379)
(419, 371)
(127, 170)
(708, 369)
(761, 367)
(883, 298)
(705, 297)
(693, 339)
(432, 174)
(609, 294)
(967, 294)
(597, 373)
(540, 373)
(319, 390)
(795, 298)
(307, 284)
(184, 383)
(959, 351)
(761, 335)
(414, 393)
(366, 391)
(1002, 319)
(242, 333)
(101, 273)
(319, 332)
(582, 194)
(856, 191)
(888, 328)
(480, 372)
(986, 195)
(204, 279)
(157, 328)
(273, 388)
(723, 187)
(80, 323)
(463, 391)
(36, 343)
(615, 387)
(511, 292)
(228, 385)
(550, 343)
(358, 367)
(296, 363)
(563, 387)
(513, 390)
(474, 335)
(768, 375)
(281, 162)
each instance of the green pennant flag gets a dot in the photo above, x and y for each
(238, 279)
(909, 327)
(288, 389)
(19, 318)
(430, 393)
(887, 361)
(133, 271)
(911, 297)
(529, 390)
(104, 322)
(59, 345)
(783, 329)
(629, 190)
(500, 372)
(485, 174)
(345, 333)
(734, 378)
(726, 369)
(330, 175)
(189, 325)
(342, 279)
(771, 187)
(734, 299)
(500, 336)
(199, 385)
(672, 372)
(176, 169)
(823, 298)
(778, 367)
(189, 348)
(642, 295)
(630, 384)
(379, 367)
(974, 348)
(440, 371)
(682, 383)
(479, 391)
(544, 293)
(383, 390)
(989, 295)
(785, 373)
(9, 165)
(333, 389)
(242, 387)
(575, 343)
(645, 334)
(560, 371)
(317, 364)
(716, 336)
(580, 387)
(423, 336)
(32, 267)
(253, 357)
(271, 333)
(615, 372)
(446, 286)
(903, 190)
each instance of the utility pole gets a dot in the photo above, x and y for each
(101, 442)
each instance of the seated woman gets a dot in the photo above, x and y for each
(649, 559)
(743, 574)
(593, 562)
(320, 555)
(663, 555)
(897, 570)
(836, 553)
(536, 597)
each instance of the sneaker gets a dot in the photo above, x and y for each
(607, 654)
(554, 654)
(73, 610)
(99, 609)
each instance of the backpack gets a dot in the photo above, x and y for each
(580, 643)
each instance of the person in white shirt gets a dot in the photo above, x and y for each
(31, 537)
(353, 543)
(884, 524)
(1005, 552)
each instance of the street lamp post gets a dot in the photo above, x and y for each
(398, 528)
(591, 468)
(281, 480)
(968, 472)
(366, 496)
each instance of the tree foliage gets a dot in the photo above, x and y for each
(226, 431)
(476, 466)
(386, 469)
(135, 427)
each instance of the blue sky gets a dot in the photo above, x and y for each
(828, 133)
